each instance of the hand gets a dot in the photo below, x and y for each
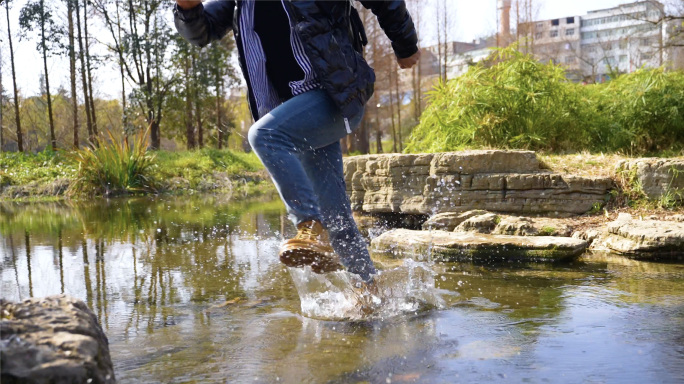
(188, 4)
(410, 61)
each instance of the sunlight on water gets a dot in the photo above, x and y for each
(408, 288)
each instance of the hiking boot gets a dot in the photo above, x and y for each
(310, 247)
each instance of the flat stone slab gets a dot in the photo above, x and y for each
(53, 340)
(458, 246)
(645, 239)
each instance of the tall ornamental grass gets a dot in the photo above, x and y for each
(114, 167)
(642, 112)
(514, 101)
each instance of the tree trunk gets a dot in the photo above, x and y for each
(394, 126)
(53, 140)
(196, 96)
(121, 67)
(72, 69)
(219, 109)
(378, 141)
(20, 138)
(89, 66)
(189, 128)
(400, 99)
(84, 82)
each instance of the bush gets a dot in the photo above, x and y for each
(513, 101)
(114, 167)
(642, 112)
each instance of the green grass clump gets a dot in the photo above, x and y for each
(114, 167)
(513, 101)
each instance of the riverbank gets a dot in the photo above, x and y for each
(49, 175)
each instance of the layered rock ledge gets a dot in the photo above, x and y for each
(499, 181)
(52, 340)
(468, 246)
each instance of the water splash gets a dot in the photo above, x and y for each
(408, 288)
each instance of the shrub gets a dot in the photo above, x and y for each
(513, 101)
(643, 112)
(114, 167)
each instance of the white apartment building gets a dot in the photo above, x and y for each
(622, 39)
(591, 47)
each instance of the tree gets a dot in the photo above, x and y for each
(72, 69)
(84, 80)
(36, 14)
(141, 44)
(20, 140)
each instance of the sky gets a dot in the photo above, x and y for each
(472, 19)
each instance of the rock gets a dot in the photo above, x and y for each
(479, 223)
(52, 340)
(499, 181)
(658, 178)
(459, 246)
(644, 239)
(448, 221)
(483, 222)
(532, 226)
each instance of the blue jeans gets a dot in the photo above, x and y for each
(299, 144)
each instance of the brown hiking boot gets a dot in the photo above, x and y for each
(310, 247)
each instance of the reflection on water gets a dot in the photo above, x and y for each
(190, 290)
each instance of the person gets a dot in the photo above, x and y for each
(307, 87)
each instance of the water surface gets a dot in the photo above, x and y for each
(189, 290)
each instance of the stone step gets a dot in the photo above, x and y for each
(458, 246)
(502, 181)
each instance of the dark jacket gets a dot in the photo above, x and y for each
(325, 29)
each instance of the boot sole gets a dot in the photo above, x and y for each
(320, 262)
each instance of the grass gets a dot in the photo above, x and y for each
(24, 176)
(114, 167)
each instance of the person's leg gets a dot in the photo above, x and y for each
(293, 134)
(305, 122)
(325, 170)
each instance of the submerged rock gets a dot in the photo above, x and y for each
(644, 239)
(460, 246)
(52, 340)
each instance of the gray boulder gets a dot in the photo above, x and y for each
(52, 340)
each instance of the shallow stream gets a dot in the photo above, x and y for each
(190, 290)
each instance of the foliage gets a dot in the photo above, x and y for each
(642, 112)
(114, 167)
(517, 102)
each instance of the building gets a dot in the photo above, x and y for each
(602, 42)
(622, 39)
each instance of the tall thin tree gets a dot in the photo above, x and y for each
(37, 13)
(84, 81)
(72, 70)
(20, 137)
(89, 66)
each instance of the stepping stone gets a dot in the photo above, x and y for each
(458, 246)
